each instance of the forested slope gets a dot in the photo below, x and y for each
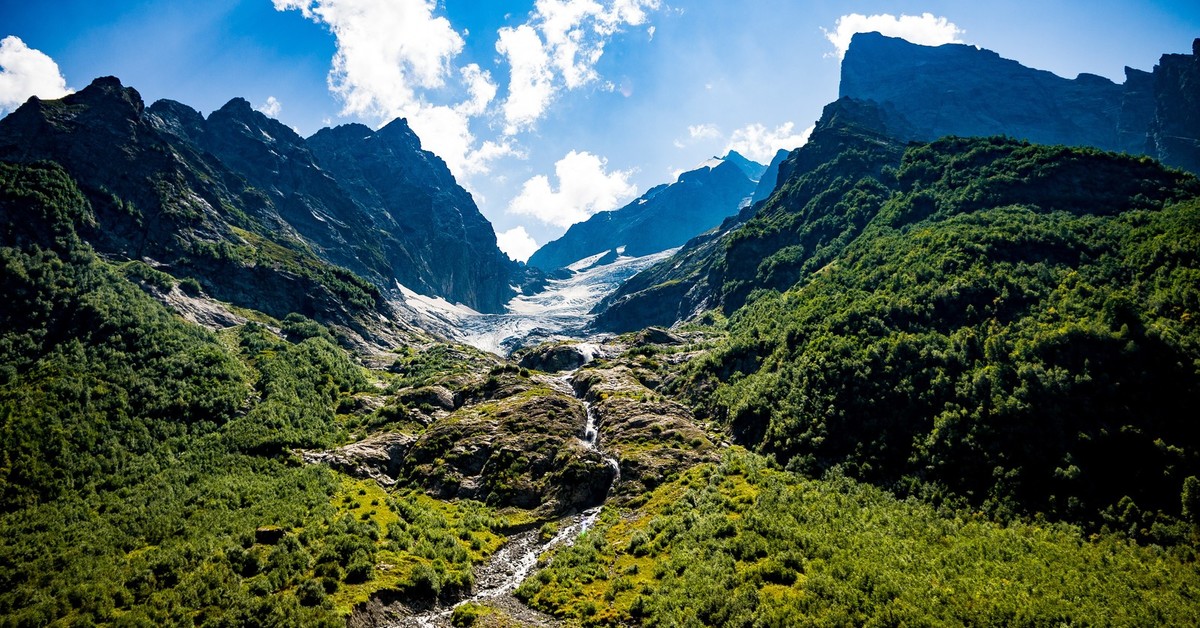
(1014, 327)
(146, 473)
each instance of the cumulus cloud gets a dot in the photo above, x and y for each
(531, 82)
(584, 188)
(925, 29)
(271, 107)
(558, 48)
(390, 55)
(480, 87)
(760, 143)
(704, 131)
(517, 243)
(26, 72)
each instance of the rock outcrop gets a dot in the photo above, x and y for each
(524, 450)
(650, 436)
(957, 89)
(1175, 132)
(380, 457)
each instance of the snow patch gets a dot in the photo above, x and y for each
(586, 262)
(562, 311)
(433, 305)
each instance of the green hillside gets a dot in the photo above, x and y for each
(146, 477)
(967, 369)
(1014, 327)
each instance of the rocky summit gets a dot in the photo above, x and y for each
(956, 89)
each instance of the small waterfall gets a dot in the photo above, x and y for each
(591, 438)
(513, 562)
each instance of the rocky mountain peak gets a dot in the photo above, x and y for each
(398, 130)
(932, 91)
(956, 89)
(177, 119)
(752, 169)
(109, 92)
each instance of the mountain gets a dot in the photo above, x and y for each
(242, 204)
(1175, 129)
(770, 176)
(434, 236)
(997, 318)
(894, 92)
(160, 200)
(663, 218)
(765, 245)
(956, 89)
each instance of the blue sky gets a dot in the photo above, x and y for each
(547, 111)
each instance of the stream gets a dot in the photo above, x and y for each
(496, 579)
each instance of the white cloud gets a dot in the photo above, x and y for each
(391, 54)
(558, 48)
(517, 243)
(704, 131)
(480, 87)
(531, 83)
(271, 107)
(26, 72)
(760, 143)
(922, 29)
(584, 188)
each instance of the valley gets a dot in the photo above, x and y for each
(909, 373)
(561, 310)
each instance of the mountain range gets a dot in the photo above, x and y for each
(895, 91)
(956, 89)
(937, 366)
(350, 209)
(663, 218)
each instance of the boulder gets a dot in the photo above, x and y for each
(553, 358)
(379, 457)
(657, 336)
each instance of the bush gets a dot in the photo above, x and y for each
(190, 286)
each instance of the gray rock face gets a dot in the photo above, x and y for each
(431, 233)
(957, 89)
(380, 457)
(555, 358)
(1175, 132)
(665, 217)
(962, 90)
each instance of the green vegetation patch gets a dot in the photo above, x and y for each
(742, 543)
(1015, 328)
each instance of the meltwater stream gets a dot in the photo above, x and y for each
(516, 559)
